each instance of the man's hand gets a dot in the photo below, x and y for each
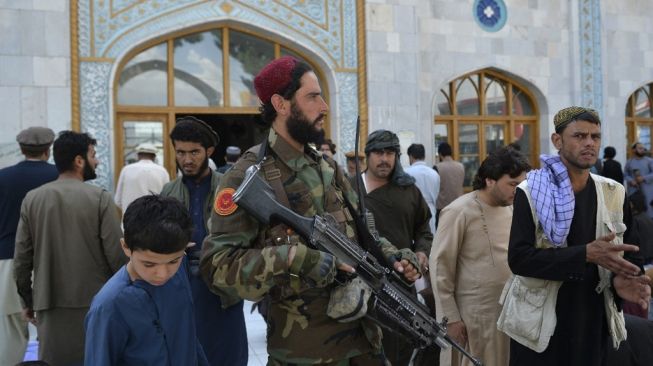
(634, 289)
(423, 260)
(28, 315)
(606, 255)
(458, 332)
(407, 269)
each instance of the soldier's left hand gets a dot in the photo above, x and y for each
(407, 269)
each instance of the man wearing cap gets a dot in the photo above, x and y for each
(243, 258)
(568, 229)
(401, 215)
(15, 182)
(351, 166)
(231, 157)
(140, 178)
(220, 329)
(67, 247)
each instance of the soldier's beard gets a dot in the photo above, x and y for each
(300, 128)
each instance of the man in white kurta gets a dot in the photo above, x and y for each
(140, 178)
(427, 179)
(469, 264)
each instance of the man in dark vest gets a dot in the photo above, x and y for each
(401, 215)
(220, 329)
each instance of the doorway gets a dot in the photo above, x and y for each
(241, 130)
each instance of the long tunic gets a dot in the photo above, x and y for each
(645, 169)
(452, 176)
(69, 234)
(428, 182)
(135, 323)
(139, 179)
(401, 216)
(469, 269)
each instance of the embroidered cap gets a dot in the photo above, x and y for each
(569, 114)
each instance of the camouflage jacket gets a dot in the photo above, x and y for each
(244, 259)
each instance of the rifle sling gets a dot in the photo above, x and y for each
(272, 173)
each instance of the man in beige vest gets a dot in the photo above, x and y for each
(567, 229)
(69, 236)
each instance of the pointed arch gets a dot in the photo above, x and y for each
(639, 117)
(482, 110)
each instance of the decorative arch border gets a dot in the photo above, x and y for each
(104, 31)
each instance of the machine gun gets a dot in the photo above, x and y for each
(391, 305)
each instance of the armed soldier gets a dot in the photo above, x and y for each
(243, 258)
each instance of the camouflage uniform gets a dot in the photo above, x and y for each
(243, 259)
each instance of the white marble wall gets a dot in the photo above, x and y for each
(627, 41)
(538, 46)
(393, 69)
(34, 69)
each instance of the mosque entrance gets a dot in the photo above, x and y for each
(206, 72)
(241, 130)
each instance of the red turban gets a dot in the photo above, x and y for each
(274, 78)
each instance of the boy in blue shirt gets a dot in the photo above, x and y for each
(144, 314)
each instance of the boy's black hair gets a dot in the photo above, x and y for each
(268, 113)
(159, 224)
(504, 160)
(191, 129)
(69, 145)
(609, 152)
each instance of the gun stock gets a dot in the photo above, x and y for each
(258, 199)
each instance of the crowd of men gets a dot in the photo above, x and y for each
(533, 266)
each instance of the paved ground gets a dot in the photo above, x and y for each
(258, 355)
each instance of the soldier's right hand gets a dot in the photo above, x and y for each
(315, 267)
(607, 255)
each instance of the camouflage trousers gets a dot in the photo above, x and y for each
(367, 359)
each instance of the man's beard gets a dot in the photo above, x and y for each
(300, 128)
(202, 169)
(89, 172)
(639, 154)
